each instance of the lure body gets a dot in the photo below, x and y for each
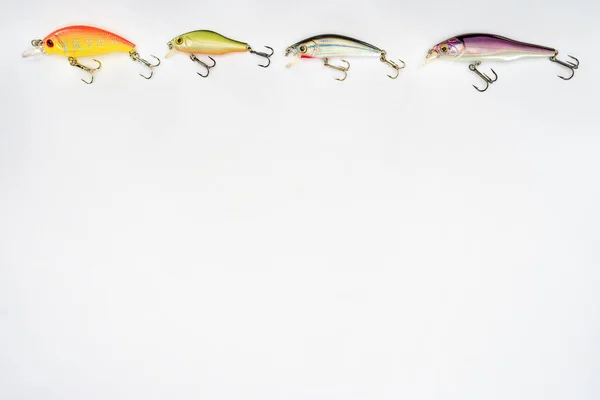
(332, 45)
(81, 41)
(484, 47)
(206, 42)
(211, 43)
(475, 48)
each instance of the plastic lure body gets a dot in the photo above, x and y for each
(205, 42)
(211, 43)
(83, 41)
(483, 47)
(325, 46)
(477, 47)
(333, 45)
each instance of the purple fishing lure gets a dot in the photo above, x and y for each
(477, 47)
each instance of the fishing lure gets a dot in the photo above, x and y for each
(331, 45)
(82, 41)
(209, 42)
(478, 47)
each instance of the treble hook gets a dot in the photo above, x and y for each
(265, 55)
(343, 69)
(567, 64)
(487, 79)
(136, 57)
(392, 64)
(73, 62)
(208, 67)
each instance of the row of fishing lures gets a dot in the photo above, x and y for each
(82, 41)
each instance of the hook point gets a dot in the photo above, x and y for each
(208, 67)
(566, 64)
(264, 55)
(339, 68)
(487, 79)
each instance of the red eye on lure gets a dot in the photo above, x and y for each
(478, 47)
(83, 41)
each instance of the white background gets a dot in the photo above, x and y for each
(276, 234)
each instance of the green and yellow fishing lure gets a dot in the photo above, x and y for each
(213, 43)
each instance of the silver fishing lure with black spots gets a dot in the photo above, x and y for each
(332, 45)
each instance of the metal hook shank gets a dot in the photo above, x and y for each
(392, 64)
(73, 62)
(567, 64)
(487, 79)
(338, 68)
(208, 67)
(136, 57)
(262, 54)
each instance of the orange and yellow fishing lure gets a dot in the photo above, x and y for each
(84, 41)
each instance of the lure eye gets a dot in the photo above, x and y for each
(179, 40)
(444, 49)
(49, 43)
(303, 49)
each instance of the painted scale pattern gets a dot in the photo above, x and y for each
(81, 41)
(480, 47)
(339, 46)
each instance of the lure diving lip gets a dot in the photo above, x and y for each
(333, 45)
(478, 47)
(213, 43)
(83, 41)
